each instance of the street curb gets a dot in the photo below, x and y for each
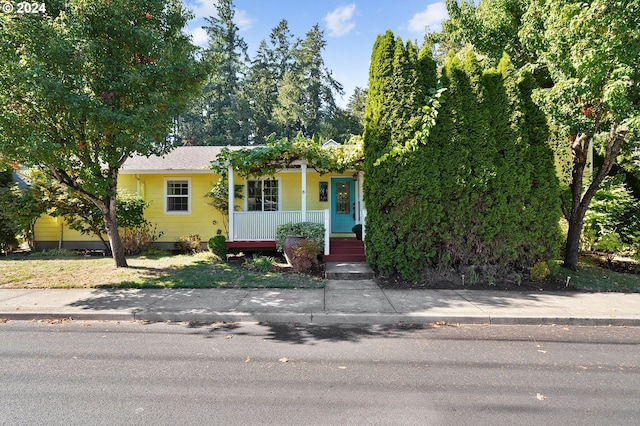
(323, 318)
(79, 316)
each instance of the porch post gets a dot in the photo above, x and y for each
(231, 202)
(303, 170)
(327, 231)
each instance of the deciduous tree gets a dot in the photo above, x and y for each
(88, 84)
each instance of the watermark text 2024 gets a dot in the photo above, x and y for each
(23, 8)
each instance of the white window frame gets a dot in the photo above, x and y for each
(262, 179)
(166, 195)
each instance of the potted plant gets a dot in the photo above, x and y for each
(357, 229)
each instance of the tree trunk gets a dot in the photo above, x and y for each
(580, 203)
(111, 225)
(573, 243)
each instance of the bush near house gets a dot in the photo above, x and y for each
(218, 246)
(458, 176)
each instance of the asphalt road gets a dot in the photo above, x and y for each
(107, 373)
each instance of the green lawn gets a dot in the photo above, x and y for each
(184, 271)
(591, 277)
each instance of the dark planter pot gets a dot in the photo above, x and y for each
(358, 231)
(290, 244)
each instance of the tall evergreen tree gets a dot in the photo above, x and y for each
(377, 138)
(221, 115)
(264, 79)
(305, 98)
(452, 192)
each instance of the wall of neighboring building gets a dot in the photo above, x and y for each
(52, 232)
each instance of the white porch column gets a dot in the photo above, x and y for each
(231, 201)
(327, 231)
(303, 170)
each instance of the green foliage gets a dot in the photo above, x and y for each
(217, 245)
(262, 264)
(309, 230)
(82, 215)
(455, 185)
(612, 223)
(188, 244)
(220, 116)
(285, 89)
(279, 154)
(540, 271)
(219, 196)
(19, 210)
(88, 84)
(305, 95)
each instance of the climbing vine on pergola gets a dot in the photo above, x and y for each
(276, 155)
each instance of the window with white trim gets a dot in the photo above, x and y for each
(263, 195)
(177, 195)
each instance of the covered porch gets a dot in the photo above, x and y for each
(257, 229)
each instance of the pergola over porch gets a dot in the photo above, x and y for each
(257, 229)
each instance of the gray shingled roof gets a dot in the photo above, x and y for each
(183, 158)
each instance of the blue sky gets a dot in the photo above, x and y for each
(350, 27)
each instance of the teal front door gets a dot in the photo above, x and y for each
(343, 204)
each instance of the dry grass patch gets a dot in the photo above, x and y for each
(201, 270)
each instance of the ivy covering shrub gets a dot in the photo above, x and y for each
(458, 173)
(310, 230)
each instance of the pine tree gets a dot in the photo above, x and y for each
(264, 79)
(305, 98)
(221, 116)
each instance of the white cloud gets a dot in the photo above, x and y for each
(202, 8)
(431, 17)
(199, 36)
(243, 20)
(206, 8)
(340, 22)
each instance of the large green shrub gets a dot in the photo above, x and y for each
(310, 230)
(476, 188)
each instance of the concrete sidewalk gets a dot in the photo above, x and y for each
(341, 302)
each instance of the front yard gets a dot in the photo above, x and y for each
(200, 270)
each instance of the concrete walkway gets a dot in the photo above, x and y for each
(355, 302)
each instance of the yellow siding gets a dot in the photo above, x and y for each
(151, 187)
(174, 225)
(47, 228)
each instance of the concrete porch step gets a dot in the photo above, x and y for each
(348, 271)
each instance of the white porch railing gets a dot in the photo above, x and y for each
(262, 226)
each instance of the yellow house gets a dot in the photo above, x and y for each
(177, 183)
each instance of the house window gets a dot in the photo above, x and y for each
(178, 195)
(263, 195)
